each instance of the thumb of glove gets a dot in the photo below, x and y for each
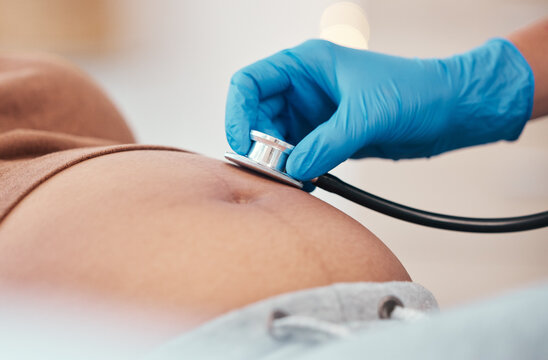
(325, 147)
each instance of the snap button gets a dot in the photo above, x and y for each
(387, 306)
(276, 315)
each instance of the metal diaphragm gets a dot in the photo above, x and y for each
(267, 156)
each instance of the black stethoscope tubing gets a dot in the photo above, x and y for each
(335, 185)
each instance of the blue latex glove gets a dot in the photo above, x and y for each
(336, 102)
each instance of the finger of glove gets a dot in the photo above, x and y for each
(374, 151)
(397, 151)
(322, 149)
(247, 88)
(272, 106)
(269, 109)
(308, 186)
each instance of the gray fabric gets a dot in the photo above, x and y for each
(244, 333)
(510, 327)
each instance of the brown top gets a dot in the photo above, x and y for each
(52, 116)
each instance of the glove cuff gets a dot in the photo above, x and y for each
(495, 86)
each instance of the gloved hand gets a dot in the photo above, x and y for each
(335, 102)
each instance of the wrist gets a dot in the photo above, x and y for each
(495, 87)
(532, 43)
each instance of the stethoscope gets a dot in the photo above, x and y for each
(268, 156)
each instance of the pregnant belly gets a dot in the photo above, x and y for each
(182, 232)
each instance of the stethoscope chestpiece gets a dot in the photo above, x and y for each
(267, 156)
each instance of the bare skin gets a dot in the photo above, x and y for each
(183, 233)
(532, 42)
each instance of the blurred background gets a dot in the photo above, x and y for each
(167, 65)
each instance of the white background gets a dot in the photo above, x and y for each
(171, 75)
